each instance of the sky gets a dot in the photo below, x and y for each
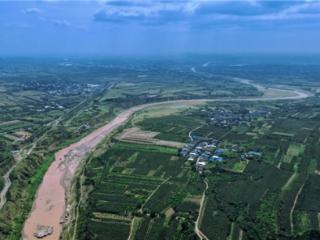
(120, 27)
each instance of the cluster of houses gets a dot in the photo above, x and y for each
(58, 89)
(226, 118)
(203, 151)
(61, 88)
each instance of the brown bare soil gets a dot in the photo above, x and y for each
(139, 136)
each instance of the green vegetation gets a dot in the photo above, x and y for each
(267, 215)
(148, 190)
(252, 198)
(140, 181)
(35, 181)
(303, 222)
(172, 127)
(239, 166)
(146, 148)
(294, 150)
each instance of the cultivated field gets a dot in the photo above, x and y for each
(137, 135)
(160, 193)
(136, 184)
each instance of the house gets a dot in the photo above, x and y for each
(253, 155)
(211, 145)
(216, 158)
(194, 154)
(219, 151)
(202, 145)
(188, 146)
(234, 148)
(204, 157)
(199, 147)
(199, 163)
(215, 141)
(184, 152)
(200, 166)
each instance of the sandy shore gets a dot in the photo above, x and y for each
(49, 206)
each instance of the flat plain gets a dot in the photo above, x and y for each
(224, 159)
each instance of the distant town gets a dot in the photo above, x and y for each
(222, 117)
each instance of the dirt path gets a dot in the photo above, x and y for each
(294, 206)
(190, 133)
(154, 192)
(7, 181)
(197, 230)
(241, 234)
(50, 207)
(7, 184)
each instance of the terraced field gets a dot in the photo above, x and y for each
(274, 197)
(142, 182)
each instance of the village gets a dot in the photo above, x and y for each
(204, 152)
(222, 117)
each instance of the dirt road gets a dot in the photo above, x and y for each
(49, 208)
(197, 230)
(7, 181)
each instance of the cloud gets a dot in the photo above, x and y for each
(62, 23)
(66, 24)
(197, 12)
(304, 11)
(32, 11)
(145, 12)
(124, 3)
(43, 17)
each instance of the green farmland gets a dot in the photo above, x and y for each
(256, 170)
(141, 181)
(157, 194)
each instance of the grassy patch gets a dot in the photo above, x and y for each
(303, 222)
(288, 185)
(294, 150)
(239, 166)
(312, 166)
(267, 215)
(136, 221)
